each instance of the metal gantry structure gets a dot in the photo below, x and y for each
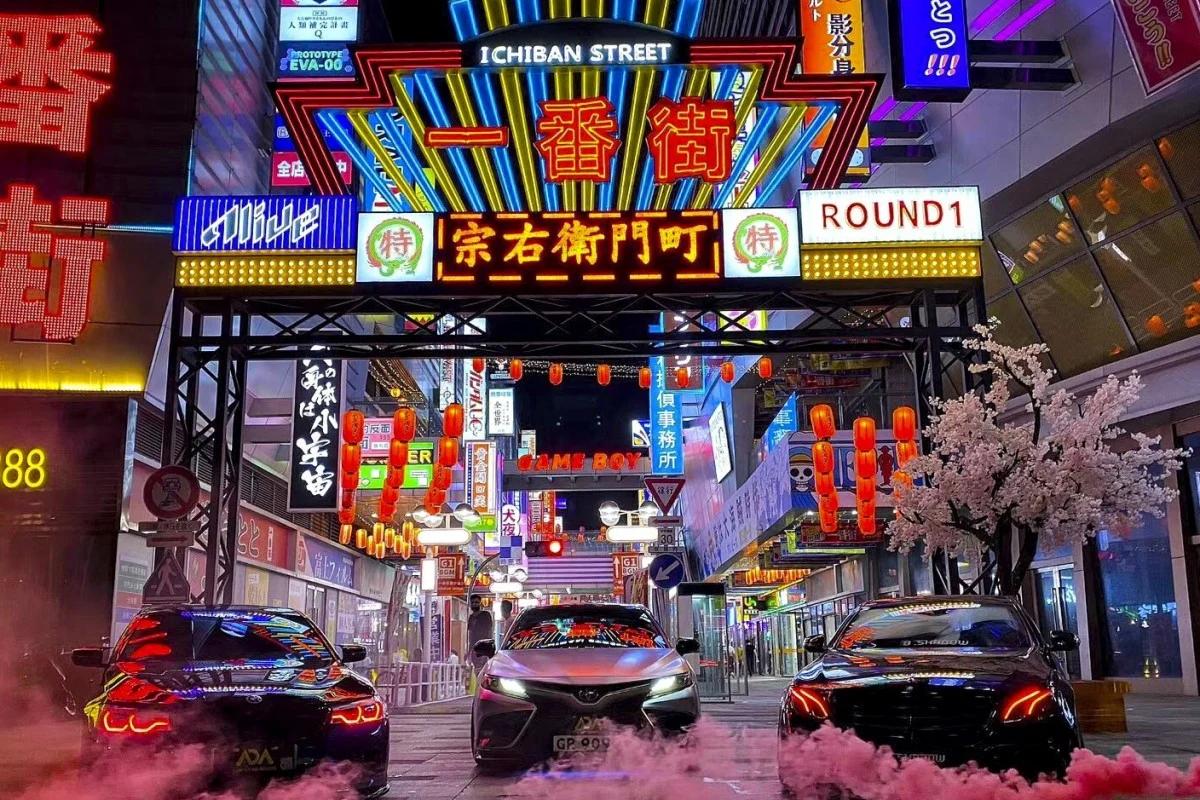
(215, 335)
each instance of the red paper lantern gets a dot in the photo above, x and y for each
(822, 456)
(349, 481)
(864, 434)
(437, 496)
(603, 374)
(727, 372)
(478, 364)
(765, 368)
(905, 452)
(556, 374)
(389, 495)
(346, 516)
(395, 478)
(516, 369)
(828, 513)
(347, 501)
(822, 420)
(823, 483)
(452, 420)
(387, 513)
(644, 378)
(447, 451)
(866, 517)
(404, 424)
(683, 377)
(865, 464)
(901, 480)
(442, 477)
(864, 489)
(904, 424)
(353, 424)
(346, 533)
(398, 455)
(431, 507)
(351, 458)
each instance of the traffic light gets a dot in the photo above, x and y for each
(545, 548)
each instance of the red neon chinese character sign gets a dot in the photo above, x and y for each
(45, 89)
(577, 139)
(30, 258)
(691, 139)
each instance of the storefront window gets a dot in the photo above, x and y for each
(1071, 308)
(1189, 481)
(919, 574)
(995, 276)
(1151, 273)
(1038, 241)
(1138, 602)
(1181, 153)
(1120, 196)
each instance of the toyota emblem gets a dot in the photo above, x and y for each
(254, 698)
(589, 695)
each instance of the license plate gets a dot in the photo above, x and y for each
(937, 758)
(580, 744)
(266, 758)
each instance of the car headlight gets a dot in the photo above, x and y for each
(509, 686)
(1028, 704)
(671, 683)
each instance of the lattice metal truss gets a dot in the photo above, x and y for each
(214, 336)
(205, 407)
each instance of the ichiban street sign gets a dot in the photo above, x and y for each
(664, 492)
(171, 492)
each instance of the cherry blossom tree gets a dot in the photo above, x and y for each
(1055, 477)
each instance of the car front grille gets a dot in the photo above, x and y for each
(561, 706)
(915, 717)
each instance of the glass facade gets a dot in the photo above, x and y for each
(1110, 266)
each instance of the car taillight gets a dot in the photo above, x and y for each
(810, 701)
(133, 721)
(364, 712)
(1032, 702)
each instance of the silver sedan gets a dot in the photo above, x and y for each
(565, 675)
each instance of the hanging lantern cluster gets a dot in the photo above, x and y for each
(864, 473)
(447, 458)
(404, 428)
(353, 426)
(904, 426)
(824, 427)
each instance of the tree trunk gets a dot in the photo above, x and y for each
(1029, 544)
(1003, 554)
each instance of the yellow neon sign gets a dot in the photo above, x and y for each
(23, 469)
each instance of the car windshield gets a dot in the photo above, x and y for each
(270, 637)
(920, 625)
(555, 628)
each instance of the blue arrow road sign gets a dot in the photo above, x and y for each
(666, 570)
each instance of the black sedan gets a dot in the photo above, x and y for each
(950, 679)
(261, 688)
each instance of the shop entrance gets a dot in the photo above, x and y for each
(1057, 609)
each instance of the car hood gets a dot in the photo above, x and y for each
(881, 666)
(590, 665)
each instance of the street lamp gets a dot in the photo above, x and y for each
(610, 513)
(648, 511)
(633, 531)
(464, 513)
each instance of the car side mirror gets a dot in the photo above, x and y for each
(352, 653)
(815, 644)
(687, 646)
(87, 657)
(484, 648)
(1063, 641)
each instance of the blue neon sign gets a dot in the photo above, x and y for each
(666, 423)
(783, 426)
(264, 224)
(929, 50)
(299, 60)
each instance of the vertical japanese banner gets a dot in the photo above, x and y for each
(481, 476)
(666, 423)
(1164, 38)
(930, 58)
(317, 407)
(834, 44)
(474, 401)
(446, 368)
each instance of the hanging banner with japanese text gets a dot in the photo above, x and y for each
(834, 44)
(317, 407)
(930, 61)
(1164, 37)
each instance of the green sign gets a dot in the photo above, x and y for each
(418, 474)
(486, 524)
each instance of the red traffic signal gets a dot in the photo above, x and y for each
(545, 548)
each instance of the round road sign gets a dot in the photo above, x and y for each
(666, 570)
(171, 492)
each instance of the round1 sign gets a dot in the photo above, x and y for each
(171, 492)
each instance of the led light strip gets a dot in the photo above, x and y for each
(617, 81)
(386, 120)
(697, 86)
(795, 153)
(358, 121)
(466, 112)
(643, 82)
(441, 117)
(564, 89)
(514, 104)
(672, 87)
(723, 89)
(771, 152)
(408, 109)
(364, 160)
(762, 127)
(591, 88)
(745, 106)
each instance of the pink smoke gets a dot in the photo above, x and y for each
(716, 763)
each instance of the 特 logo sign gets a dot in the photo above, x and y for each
(761, 243)
(395, 248)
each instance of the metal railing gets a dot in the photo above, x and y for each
(409, 683)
